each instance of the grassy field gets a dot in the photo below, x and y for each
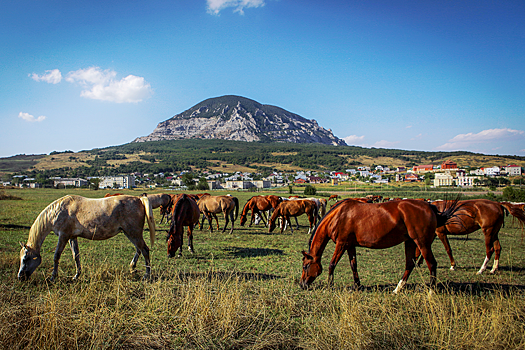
(241, 291)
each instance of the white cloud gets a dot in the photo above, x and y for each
(51, 76)
(216, 6)
(464, 141)
(354, 140)
(385, 144)
(101, 85)
(408, 126)
(28, 117)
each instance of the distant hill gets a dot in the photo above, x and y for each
(241, 119)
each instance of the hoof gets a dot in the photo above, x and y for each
(452, 268)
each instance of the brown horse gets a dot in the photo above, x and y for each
(473, 215)
(335, 197)
(352, 224)
(113, 194)
(185, 213)
(259, 205)
(71, 217)
(211, 205)
(294, 208)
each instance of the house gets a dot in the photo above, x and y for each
(492, 171)
(448, 164)
(422, 168)
(120, 181)
(410, 177)
(214, 185)
(299, 181)
(74, 182)
(315, 180)
(466, 181)
(512, 170)
(443, 179)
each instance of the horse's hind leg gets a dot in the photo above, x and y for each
(491, 245)
(497, 251)
(190, 239)
(352, 255)
(76, 255)
(133, 262)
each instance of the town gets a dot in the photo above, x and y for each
(446, 174)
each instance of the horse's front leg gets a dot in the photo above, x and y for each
(216, 221)
(263, 217)
(338, 253)
(296, 222)
(62, 241)
(76, 255)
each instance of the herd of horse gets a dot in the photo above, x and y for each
(371, 222)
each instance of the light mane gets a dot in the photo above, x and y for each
(43, 223)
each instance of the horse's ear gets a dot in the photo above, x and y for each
(23, 245)
(306, 255)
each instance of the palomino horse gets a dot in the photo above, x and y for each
(212, 205)
(258, 205)
(352, 224)
(113, 194)
(185, 213)
(294, 208)
(472, 215)
(71, 217)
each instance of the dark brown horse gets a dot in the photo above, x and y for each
(475, 214)
(294, 208)
(185, 213)
(212, 205)
(259, 205)
(352, 224)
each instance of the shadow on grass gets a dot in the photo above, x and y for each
(252, 252)
(14, 227)
(474, 288)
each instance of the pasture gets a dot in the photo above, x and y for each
(241, 290)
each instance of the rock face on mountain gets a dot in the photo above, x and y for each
(241, 119)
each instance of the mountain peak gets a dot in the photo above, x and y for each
(242, 119)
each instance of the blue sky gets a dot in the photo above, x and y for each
(416, 75)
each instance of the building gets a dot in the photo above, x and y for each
(443, 179)
(493, 171)
(512, 170)
(410, 177)
(73, 182)
(214, 184)
(120, 181)
(422, 168)
(448, 164)
(466, 181)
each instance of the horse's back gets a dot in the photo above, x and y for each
(101, 218)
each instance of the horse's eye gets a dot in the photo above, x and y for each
(36, 257)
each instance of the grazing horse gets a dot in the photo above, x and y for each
(211, 205)
(294, 208)
(258, 205)
(352, 224)
(113, 194)
(335, 197)
(473, 215)
(71, 217)
(185, 213)
(163, 201)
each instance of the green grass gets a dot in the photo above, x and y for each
(241, 291)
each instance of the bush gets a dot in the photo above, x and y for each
(310, 190)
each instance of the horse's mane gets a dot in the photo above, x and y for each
(43, 222)
(324, 217)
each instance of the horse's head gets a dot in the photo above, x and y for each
(174, 239)
(243, 219)
(174, 243)
(311, 269)
(29, 261)
(271, 226)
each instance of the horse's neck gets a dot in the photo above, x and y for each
(38, 233)
(318, 244)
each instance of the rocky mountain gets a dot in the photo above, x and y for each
(241, 119)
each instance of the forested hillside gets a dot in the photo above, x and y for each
(178, 155)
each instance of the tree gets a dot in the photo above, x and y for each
(94, 183)
(203, 184)
(187, 180)
(310, 190)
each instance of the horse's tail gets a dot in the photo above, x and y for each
(236, 200)
(149, 216)
(448, 212)
(516, 212)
